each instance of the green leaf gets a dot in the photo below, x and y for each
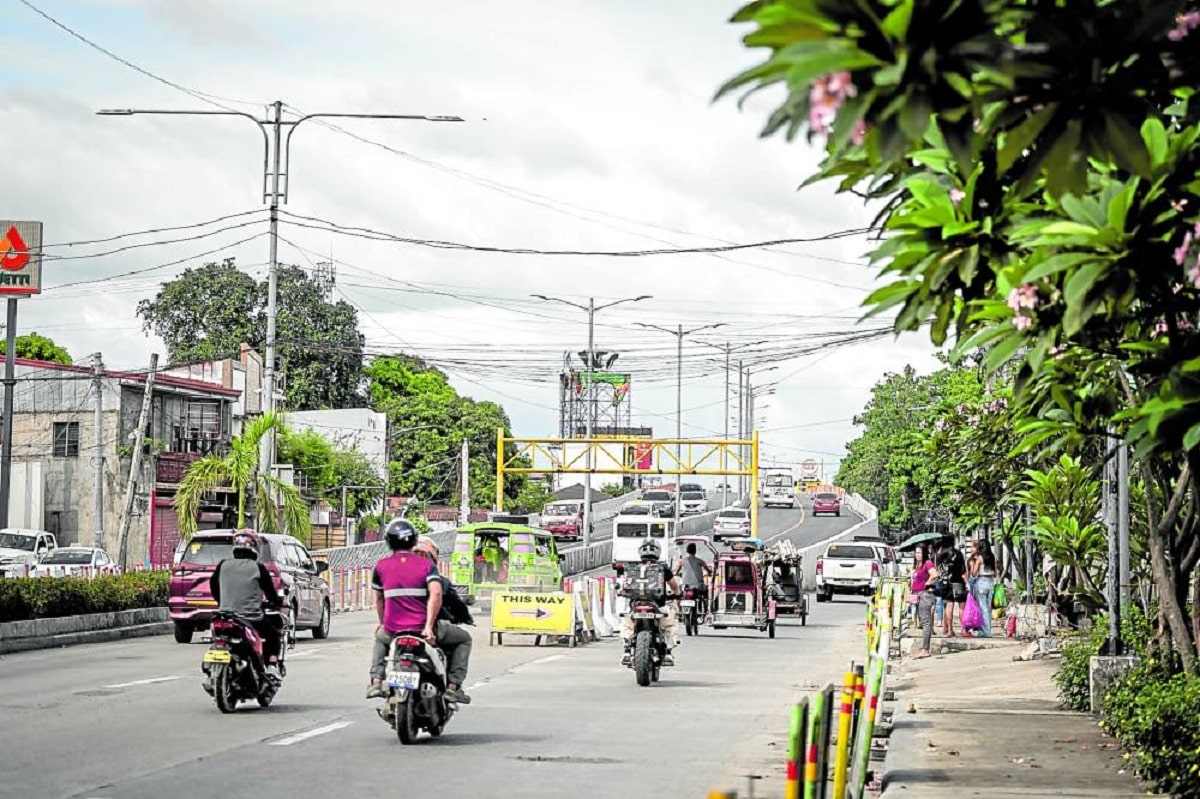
(1083, 210)
(1154, 134)
(896, 23)
(1126, 144)
(890, 295)
(1191, 438)
(1054, 264)
(1020, 138)
(1067, 228)
(1003, 351)
(1081, 281)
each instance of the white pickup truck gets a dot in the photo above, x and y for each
(853, 568)
(21, 550)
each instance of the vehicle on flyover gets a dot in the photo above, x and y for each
(779, 488)
(564, 519)
(826, 502)
(739, 595)
(630, 532)
(503, 556)
(731, 523)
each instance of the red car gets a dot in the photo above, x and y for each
(190, 601)
(827, 503)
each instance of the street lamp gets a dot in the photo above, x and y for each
(591, 309)
(276, 159)
(679, 333)
(728, 349)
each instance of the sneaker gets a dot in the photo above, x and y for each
(668, 659)
(457, 696)
(626, 659)
(375, 690)
(273, 673)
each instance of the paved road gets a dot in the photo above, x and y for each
(128, 719)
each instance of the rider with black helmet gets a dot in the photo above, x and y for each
(650, 552)
(240, 584)
(408, 597)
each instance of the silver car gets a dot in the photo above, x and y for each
(731, 523)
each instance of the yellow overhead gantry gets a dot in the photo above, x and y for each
(611, 455)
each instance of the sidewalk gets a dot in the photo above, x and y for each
(978, 723)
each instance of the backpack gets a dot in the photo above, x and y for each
(646, 583)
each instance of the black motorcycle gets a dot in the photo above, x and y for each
(234, 665)
(416, 688)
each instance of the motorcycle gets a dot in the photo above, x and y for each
(649, 646)
(234, 666)
(416, 689)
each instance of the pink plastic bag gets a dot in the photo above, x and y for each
(972, 616)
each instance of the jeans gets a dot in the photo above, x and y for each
(985, 587)
(452, 639)
(925, 614)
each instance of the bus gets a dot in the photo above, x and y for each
(779, 488)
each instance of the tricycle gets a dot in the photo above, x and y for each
(739, 595)
(781, 565)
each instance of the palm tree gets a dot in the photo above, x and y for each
(239, 470)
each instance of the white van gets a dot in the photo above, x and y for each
(630, 532)
(779, 488)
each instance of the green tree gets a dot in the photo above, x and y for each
(37, 347)
(238, 470)
(209, 311)
(327, 469)
(1036, 166)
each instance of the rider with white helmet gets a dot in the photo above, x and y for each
(650, 553)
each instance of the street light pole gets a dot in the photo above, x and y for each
(680, 333)
(276, 171)
(591, 309)
(729, 349)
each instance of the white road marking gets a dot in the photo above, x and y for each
(547, 659)
(790, 529)
(148, 681)
(313, 733)
(304, 654)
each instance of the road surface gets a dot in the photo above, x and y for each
(128, 720)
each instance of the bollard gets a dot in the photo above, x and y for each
(816, 750)
(795, 750)
(845, 722)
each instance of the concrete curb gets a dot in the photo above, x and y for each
(22, 636)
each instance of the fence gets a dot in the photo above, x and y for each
(24, 570)
(820, 764)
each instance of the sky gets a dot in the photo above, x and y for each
(586, 127)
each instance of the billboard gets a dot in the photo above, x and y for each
(20, 258)
(808, 469)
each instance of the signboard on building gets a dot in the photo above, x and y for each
(808, 469)
(20, 258)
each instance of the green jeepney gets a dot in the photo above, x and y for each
(490, 556)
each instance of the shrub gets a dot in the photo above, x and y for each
(50, 597)
(1158, 720)
(1072, 675)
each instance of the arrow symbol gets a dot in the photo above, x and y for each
(539, 613)
(14, 253)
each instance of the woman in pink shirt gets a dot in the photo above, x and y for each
(924, 600)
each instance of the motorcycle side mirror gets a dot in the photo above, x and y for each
(321, 567)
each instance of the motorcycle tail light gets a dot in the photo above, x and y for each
(875, 569)
(408, 641)
(820, 566)
(644, 608)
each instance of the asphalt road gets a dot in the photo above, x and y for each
(129, 719)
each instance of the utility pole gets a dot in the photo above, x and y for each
(139, 440)
(591, 365)
(741, 425)
(1123, 580)
(725, 449)
(276, 179)
(1112, 591)
(679, 333)
(98, 447)
(464, 502)
(10, 386)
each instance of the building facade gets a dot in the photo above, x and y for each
(55, 447)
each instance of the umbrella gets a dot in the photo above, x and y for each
(920, 538)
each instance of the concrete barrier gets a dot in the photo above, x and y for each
(19, 636)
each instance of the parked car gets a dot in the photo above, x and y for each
(292, 568)
(21, 549)
(71, 562)
(692, 502)
(731, 523)
(887, 555)
(827, 503)
(854, 568)
(686, 487)
(663, 500)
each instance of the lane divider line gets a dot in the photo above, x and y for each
(313, 733)
(148, 681)
(791, 529)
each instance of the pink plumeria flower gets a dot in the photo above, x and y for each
(1022, 322)
(957, 195)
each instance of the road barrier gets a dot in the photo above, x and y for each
(816, 758)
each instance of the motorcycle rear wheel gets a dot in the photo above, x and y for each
(406, 722)
(224, 687)
(643, 664)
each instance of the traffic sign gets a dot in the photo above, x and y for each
(20, 258)
(808, 469)
(550, 613)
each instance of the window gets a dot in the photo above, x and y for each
(66, 439)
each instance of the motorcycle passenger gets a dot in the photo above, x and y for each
(454, 610)
(693, 571)
(408, 597)
(239, 585)
(649, 553)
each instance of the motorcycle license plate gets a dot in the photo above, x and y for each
(408, 680)
(216, 656)
(688, 603)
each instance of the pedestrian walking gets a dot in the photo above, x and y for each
(922, 566)
(951, 568)
(985, 586)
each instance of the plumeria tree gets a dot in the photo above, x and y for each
(1037, 168)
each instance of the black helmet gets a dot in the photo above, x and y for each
(245, 545)
(650, 551)
(400, 534)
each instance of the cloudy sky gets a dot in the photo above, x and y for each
(588, 126)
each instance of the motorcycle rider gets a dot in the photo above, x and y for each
(650, 552)
(239, 585)
(693, 570)
(408, 597)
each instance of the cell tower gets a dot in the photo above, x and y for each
(325, 276)
(609, 404)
